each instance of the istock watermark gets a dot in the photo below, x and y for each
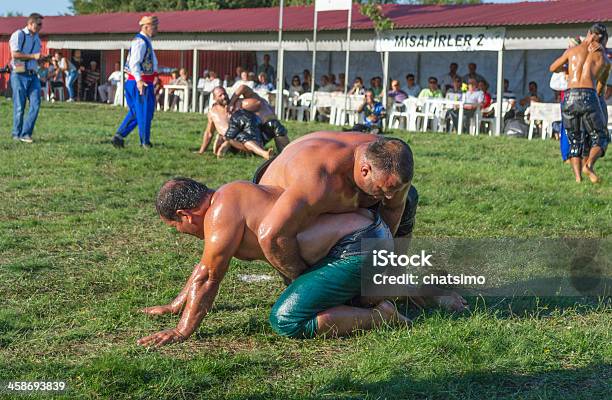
(487, 267)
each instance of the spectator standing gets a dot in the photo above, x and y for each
(267, 69)
(373, 113)
(447, 81)
(472, 74)
(412, 88)
(25, 52)
(107, 90)
(432, 91)
(69, 70)
(396, 92)
(376, 84)
(91, 80)
(79, 64)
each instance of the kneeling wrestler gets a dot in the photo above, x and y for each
(313, 304)
(244, 134)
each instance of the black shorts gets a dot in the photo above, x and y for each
(272, 129)
(408, 217)
(243, 127)
(581, 110)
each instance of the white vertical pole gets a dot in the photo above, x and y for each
(348, 56)
(348, 48)
(500, 92)
(194, 89)
(385, 77)
(314, 64)
(122, 76)
(279, 64)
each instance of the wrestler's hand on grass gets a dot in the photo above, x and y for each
(160, 310)
(162, 338)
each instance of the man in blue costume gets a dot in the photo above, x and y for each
(141, 69)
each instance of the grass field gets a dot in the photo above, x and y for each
(81, 250)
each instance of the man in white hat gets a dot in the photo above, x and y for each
(141, 69)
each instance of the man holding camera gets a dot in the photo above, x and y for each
(25, 52)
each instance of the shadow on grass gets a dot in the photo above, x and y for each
(591, 382)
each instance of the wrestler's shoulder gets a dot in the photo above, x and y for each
(237, 188)
(341, 139)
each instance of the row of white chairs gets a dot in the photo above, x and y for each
(340, 109)
(547, 113)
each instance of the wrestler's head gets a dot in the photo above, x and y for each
(182, 203)
(220, 96)
(387, 167)
(599, 33)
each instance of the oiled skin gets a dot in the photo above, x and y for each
(585, 68)
(322, 173)
(228, 221)
(254, 103)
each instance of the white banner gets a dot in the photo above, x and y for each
(331, 5)
(461, 39)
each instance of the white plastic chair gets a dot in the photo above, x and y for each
(321, 100)
(609, 118)
(545, 112)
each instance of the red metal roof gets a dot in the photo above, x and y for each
(300, 18)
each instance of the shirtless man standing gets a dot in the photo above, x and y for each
(588, 70)
(271, 127)
(314, 304)
(233, 130)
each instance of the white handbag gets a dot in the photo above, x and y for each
(558, 81)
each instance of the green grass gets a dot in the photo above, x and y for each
(81, 250)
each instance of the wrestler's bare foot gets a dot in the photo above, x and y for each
(590, 173)
(159, 310)
(270, 154)
(453, 302)
(390, 314)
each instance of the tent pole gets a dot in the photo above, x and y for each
(279, 64)
(122, 76)
(385, 77)
(194, 89)
(314, 64)
(348, 56)
(500, 91)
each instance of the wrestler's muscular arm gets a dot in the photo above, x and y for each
(248, 93)
(278, 230)
(208, 134)
(602, 81)
(557, 65)
(392, 209)
(220, 246)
